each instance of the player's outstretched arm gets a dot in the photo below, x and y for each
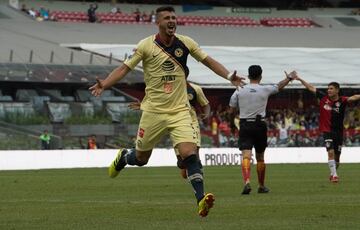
(116, 75)
(354, 98)
(220, 70)
(307, 85)
(289, 77)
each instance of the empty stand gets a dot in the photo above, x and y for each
(16, 109)
(188, 20)
(25, 94)
(58, 111)
(287, 22)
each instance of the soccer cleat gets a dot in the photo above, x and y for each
(118, 164)
(330, 178)
(205, 204)
(263, 189)
(335, 179)
(183, 173)
(247, 189)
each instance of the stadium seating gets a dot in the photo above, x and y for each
(59, 111)
(124, 18)
(16, 109)
(287, 22)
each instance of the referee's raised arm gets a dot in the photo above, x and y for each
(289, 77)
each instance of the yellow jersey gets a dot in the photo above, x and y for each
(195, 96)
(165, 72)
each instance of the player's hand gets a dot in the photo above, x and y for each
(292, 75)
(97, 89)
(134, 105)
(237, 80)
(204, 116)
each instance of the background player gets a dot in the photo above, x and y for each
(165, 105)
(196, 97)
(251, 100)
(332, 112)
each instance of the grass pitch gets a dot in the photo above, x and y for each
(301, 197)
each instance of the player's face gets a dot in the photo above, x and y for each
(332, 91)
(167, 22)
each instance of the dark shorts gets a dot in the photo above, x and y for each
(333, 141)
(253, 134)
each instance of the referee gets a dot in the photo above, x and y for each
(251, 101)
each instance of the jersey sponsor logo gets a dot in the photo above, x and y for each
(141, 132)
(252, 91)
(327, 107)
(168, 78)
(178, 52)
(168, 66)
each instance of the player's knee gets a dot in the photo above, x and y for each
(186, 149)
(180, 162)
(246, 155)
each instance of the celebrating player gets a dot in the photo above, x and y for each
(251, 100)
(165, 105)
(332, 111)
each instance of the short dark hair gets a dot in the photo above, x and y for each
(255, 72)
(165, 8)
(335, 84)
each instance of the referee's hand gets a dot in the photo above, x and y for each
(237, 80)
(97, 89)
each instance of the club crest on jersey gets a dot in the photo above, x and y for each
(190, 96)
(337, 104)
(179, 52)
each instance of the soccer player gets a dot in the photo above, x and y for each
(196, 96)
(251, 100)
(165, 105)
(332, 112)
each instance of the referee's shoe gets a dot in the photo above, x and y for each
(247, 189)
(263, 189)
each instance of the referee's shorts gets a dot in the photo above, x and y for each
(253, 133)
